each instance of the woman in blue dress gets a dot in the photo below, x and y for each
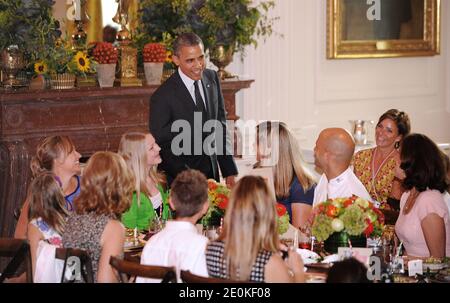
(293, 183)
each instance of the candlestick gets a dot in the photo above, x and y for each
(77, 8)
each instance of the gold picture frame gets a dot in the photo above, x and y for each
(356, 29)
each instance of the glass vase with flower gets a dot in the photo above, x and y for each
(218, 196)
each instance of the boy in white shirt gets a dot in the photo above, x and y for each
(179, 244)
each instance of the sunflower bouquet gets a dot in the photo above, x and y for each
(63, 59)
(218, 196)
(354, 216)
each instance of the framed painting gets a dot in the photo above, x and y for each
(382, 28)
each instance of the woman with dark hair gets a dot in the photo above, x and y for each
(375, 167)
(423, 224)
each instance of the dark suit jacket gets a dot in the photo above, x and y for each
(172, 102)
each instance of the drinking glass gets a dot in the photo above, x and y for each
(289, 242)
(154, 226)
(211, 232)
(304, 238)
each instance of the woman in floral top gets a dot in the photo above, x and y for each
(375, 167)
(47, 213)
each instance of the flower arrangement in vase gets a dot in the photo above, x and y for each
(343, 220)
(106, 56)
(282, 219)
(218, 196)
(30, 26)
(62, 64)
(154, 56)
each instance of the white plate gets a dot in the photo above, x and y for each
(434, 266)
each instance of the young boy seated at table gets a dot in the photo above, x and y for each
(179, 244)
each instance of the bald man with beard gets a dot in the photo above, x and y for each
(332, 155)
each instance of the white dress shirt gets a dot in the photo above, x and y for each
(344, 185)
(189, 83)
(180, 245)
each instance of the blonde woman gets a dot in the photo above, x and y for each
(294, 185)
(47, 215)
(106, 190)
(248, 248)
(141, 153)
(57, 155)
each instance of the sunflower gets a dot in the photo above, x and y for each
(40, 67)
(169, 57)
(83, 63)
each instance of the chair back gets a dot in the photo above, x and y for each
(18, 250)
(17, 212)
(188, 277)
(127, 269)
(78, 261)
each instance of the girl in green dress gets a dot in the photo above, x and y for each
(141, 153)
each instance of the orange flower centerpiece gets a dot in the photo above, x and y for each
(344, 221)
(154, 54)
(106, 55)
(218, 196)
(282, 219)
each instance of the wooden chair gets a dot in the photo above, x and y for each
(71, 256)
(188, 277)
(127, 269)
(17, 212)
(19, 252)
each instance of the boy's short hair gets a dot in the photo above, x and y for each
(189, 191)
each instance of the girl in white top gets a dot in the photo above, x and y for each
(47, 214)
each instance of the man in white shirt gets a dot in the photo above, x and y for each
(332, 155)
(179, 244)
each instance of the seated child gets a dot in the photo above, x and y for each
(179, 244)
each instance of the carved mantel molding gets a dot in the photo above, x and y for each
(95, 119)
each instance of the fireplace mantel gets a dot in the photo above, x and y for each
(95, 118)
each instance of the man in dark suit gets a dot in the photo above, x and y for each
(188, 118)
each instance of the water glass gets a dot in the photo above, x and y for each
(154, 225)
(304, 241)
(211, 232)
(289, 242)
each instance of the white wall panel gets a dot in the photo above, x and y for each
(297, 84)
